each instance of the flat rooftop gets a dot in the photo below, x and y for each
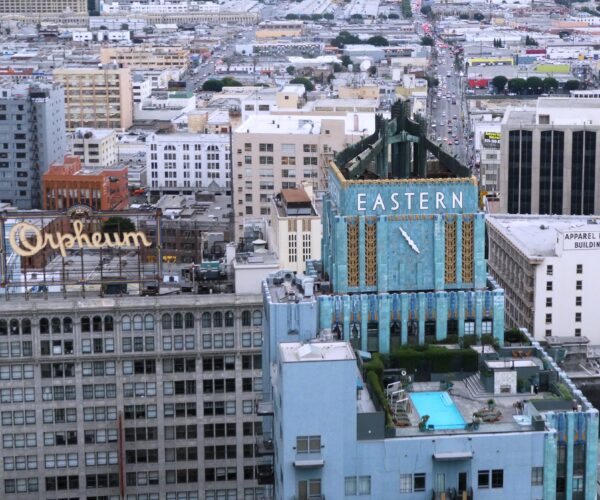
(295, 352)
(305, 124)
(535, 235)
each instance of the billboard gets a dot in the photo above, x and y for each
(491, 140)
(78, 250)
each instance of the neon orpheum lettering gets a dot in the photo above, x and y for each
(32, 240)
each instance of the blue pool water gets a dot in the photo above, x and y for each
(443, 413)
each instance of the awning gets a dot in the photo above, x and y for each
(453, 455)
(309, 464)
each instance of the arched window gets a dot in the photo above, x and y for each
(246, 318)
(67, 325)
(178, 321)
(55, 325)
(44, 326)
(138, 323)
(148, 322)
(166, 321)
(126, 323)
(206, 320)
(257, 318)
(228, 318)
(14, 327)
(189, 320)
(26, 326)
(169, 147)
(109, 324)
(218, 319)
(97, 324)
(85, 324)
(4, 326)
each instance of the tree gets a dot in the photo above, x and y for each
(550, 84)
(516, 85)
(463, 16)
(230, 82)
(356, 17)
(530, 41)
(345, 38)
(346, 61)
(499, 83)
(305, 17)
(478, 16)
(572, 85)
(535, 84)
(290, 70)
(118, 225)
(378, 41)
(337, 67)
(316, 17)
(125, 27)
(427, 41)
(292, 17)
(393, 15)
(328, 15)
(406, 9)
(426, 10)
(372, 70)
(308, 85)
(212, 85)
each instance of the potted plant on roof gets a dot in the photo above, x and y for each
(423, 423)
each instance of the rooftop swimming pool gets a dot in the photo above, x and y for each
(443, 413)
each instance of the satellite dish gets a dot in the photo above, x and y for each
(365, 65)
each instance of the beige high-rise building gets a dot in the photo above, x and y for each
(146, 57)
(97, 97)
(275, 152)
(42, 6)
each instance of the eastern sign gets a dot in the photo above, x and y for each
(409, 201)
(27, 240)
(581, 240)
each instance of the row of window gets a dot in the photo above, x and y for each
(137, 322)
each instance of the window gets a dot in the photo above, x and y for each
(483, 479)
(166, 322)
(309, 488)
(537, 476)
(549, 270)
(406, 483)
(548, 286)
(548, 318)
(579, 268)
(419, 482)
(360, 485)
(577, 317)
(548, 301)
(579, 285)
(578, 301)
(497, 478)
(308, 444)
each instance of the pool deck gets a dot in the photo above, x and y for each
(467, 405)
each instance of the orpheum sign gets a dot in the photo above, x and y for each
(27, 240)
(55, 251)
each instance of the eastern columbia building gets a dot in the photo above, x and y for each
(387, 369)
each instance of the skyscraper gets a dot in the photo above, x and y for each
(32, 136)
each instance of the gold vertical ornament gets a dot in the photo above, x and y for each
(450, 250)
(353, 251)
(467, 251)
(371, 254)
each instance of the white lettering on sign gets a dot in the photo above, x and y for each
(32, 240)
(394, 202)
(581, 240)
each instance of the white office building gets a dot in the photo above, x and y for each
(188, 160)
(548, 267)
